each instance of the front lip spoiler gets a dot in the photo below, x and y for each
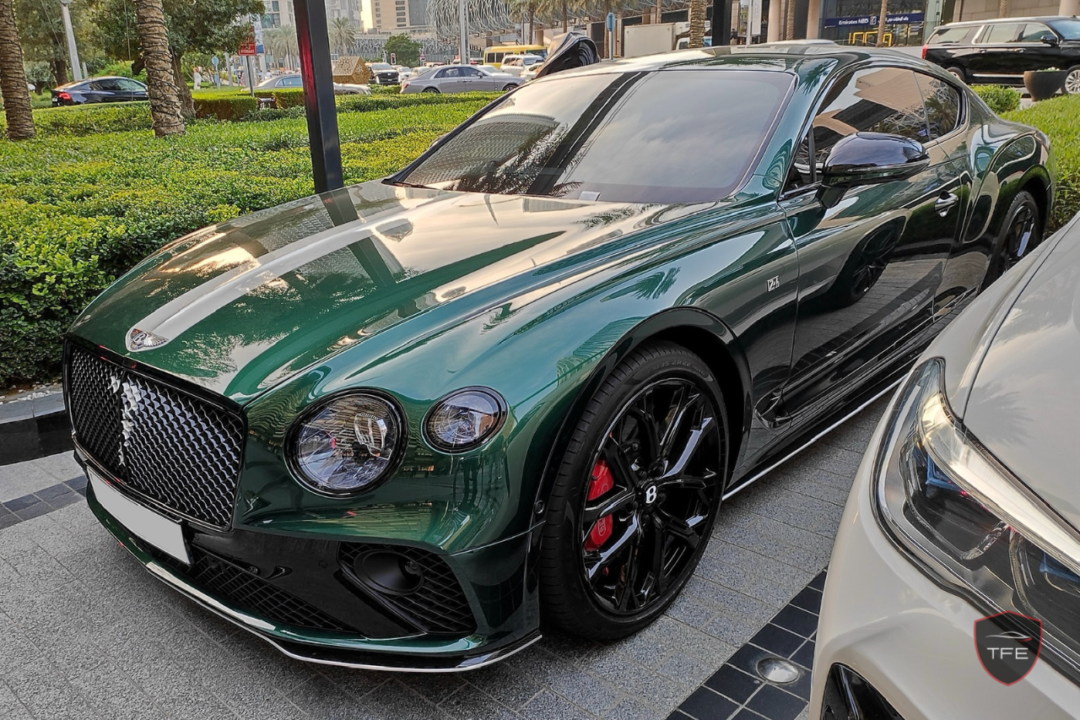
(335, 656)
(357, 658)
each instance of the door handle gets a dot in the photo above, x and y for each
(945, 202)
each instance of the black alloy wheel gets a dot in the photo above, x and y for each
(637, 495)
(1021, 232)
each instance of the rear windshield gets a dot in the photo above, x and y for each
(952, 36)
(676, 136)
(1068, 29)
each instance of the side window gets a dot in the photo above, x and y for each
(291, 82)
(471, 72)
(1033, 32)
(952, 36)
(1001, 33)
(942, 103)
(131, 85)
(884, 100)
(106, 84)
(442, 74)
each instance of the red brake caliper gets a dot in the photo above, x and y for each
(600, 482)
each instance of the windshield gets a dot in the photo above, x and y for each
(678, 136)
(1068, 29)
(381, 67)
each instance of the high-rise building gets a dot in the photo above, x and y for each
(391, 15)
(280, 12)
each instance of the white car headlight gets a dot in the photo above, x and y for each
(464, 419)
(348, 444)
(970, 523)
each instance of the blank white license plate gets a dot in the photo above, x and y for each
(161, 532)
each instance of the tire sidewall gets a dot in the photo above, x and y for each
(997, 266)
(562, 531)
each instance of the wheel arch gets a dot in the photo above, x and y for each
(697, 330)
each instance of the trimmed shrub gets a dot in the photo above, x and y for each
(1000, 99)
(222, 106)
(76, 212)
(1057, 118)
(79, 120)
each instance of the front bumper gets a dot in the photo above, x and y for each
(312, 583)
(910, 639)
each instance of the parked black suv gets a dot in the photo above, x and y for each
(384, 74)
(999, 51)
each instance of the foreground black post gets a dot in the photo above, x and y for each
(721, 22)
(314, 51)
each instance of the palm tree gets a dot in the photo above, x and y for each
(17, 109)
(697, 24)
(281, 42)
(881, 22)
(342, 35)
(165, 105)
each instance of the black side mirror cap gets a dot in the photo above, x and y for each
(1050, 39)
(869, 158)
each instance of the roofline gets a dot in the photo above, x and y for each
(994, 21)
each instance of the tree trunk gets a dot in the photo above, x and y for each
(17, 108)
(564, 25)
(697, 24)
(532, 26)
(789, 23)
(1003, 8)
(881, 22)
(187, 105)
(59, 71)
(164, 96)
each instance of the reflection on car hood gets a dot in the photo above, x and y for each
(244, 305)
(1025, 401)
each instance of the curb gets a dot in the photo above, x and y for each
(31, 429)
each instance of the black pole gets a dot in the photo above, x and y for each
(721, 22)
(314, 47)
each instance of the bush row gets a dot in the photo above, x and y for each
(76, 212)
(1058, 119)
(95, 119)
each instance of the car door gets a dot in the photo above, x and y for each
(995, 59)
(131, 89)
(472, 80)
(1031, 53)
(871, 265)
(449, 80)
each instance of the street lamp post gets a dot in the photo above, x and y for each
(73, 53)
(464, 33)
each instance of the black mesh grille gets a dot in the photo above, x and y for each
(438, 606)
(248, 592)
(165, 444)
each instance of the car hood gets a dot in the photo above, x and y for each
(240, 307)
(1025, 397)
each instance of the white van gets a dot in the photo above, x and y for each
(516, 64)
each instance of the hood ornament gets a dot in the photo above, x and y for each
(143, 340)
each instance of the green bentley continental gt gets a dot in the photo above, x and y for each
(410, 423)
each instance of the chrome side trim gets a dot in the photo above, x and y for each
(253, 625)
(746, 483)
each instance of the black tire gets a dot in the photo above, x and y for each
(431, 89)
(1071, 86)
(509, 87)
(1020, 233)
(957, 72)
(575, 579)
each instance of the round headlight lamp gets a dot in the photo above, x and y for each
(464, 419)
(349, 444)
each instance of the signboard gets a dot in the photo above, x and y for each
(611, 22)
(871, 21)
(755, 18)
(253, 43)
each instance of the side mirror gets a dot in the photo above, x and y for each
(1050, 39)
(869, 158)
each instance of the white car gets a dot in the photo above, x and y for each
(954, 586)
(516, 65)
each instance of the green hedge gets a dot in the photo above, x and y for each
(1058, 118)
(76, 212)
(225, 107)
(1000, 99)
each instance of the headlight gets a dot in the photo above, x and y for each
(973, 524)
(464, 419)
(348, 444)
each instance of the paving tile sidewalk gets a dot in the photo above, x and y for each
(86, 633)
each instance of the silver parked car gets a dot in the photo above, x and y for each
(457, 79)
(954, 586)
(295, 82)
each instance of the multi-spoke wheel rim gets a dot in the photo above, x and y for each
(1020, 235)
(652, 492)
(1072, 82)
